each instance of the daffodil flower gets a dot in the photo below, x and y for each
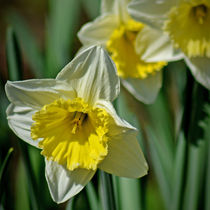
(187, 25)
(71, 119)
(122, 37)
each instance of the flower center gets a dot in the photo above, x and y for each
(72, 133)
(200, 13)
(77, 121)
(122, 47)
(188, 25)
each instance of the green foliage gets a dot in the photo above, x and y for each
(174, 131)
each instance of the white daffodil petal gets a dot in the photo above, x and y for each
(156, 46)
(117, 7)
(64, 184)
(150, 12)
(200, 68)
(93, 75)
(125, 157)
(98, 31)
(108, 6)
(37, 92)
(20, 121)
(118, 125)
(145, 90)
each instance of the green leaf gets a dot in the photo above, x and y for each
(31, 180)
(28, 43)
(61, 33)
(130, 194)
(4, 168)
(195, 175)
(162, 176)
(92, 11)
(206, 126)
(162, 128)
(70, 204)
(22, 200)
(106, 191)
(92, 197)
(13, 56)
(178, 172)
(207, 189)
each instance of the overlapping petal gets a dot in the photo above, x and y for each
(200, 68)
(93, 75)
(145, 90)
(150, 12)
(125, 157)
(20, 121)
(118, 125)
(98, 31)
(64, 184)
(157, 46)
(37, 92)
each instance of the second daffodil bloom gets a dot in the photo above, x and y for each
(187, 25)
(71, 119)
(122, 37)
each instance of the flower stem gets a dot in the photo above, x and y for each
(106, 191)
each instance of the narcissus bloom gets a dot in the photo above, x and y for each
(124, 39)
(187, 25)
(71, 119)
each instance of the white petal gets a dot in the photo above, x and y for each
(64, 184)
(117, 7)
(125, 157)
(93, 75)
(37, 92)
(20, 121)
(108, 6)
(144, 90)
(118, 125)
(154, 45)
(98, 31)
(151, 12)
(200, 68)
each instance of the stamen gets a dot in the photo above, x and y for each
(200, 13)
(77, 121)
(122, 47)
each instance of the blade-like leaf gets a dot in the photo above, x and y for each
(28, 43)
(92, 11)
(106, 191)
(195, 175)
(162, 176)
(61, 32)
(13, 56)
(178, 172)
(4, 168)
(92, 197)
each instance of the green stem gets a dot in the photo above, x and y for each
(106, 191)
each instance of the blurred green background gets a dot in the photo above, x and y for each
(37, 38)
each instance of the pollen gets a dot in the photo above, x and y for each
(121, 46)
(188, 25)
(72, 133)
